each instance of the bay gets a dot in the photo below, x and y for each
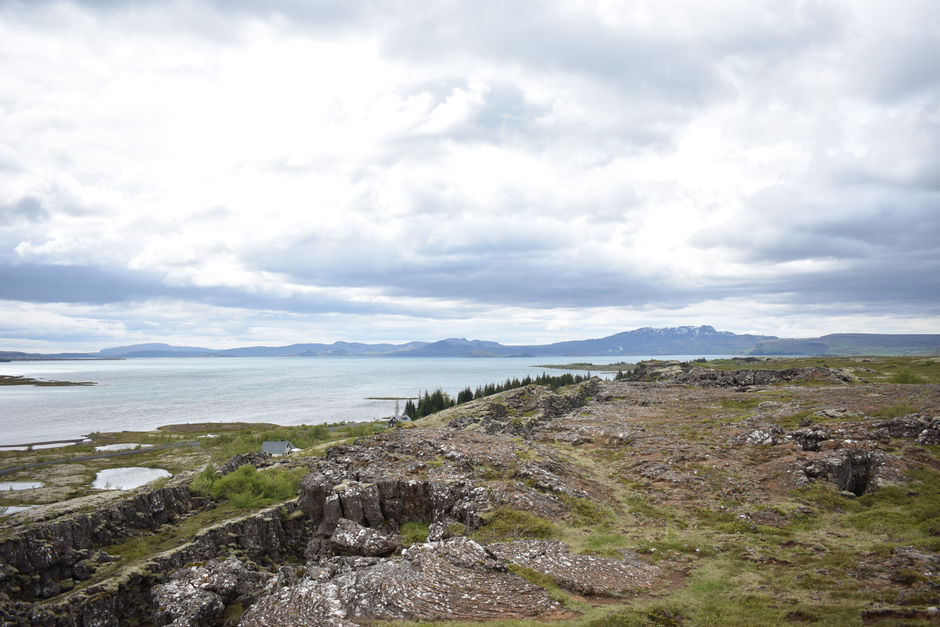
(142, 394)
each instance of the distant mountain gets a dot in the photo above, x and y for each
(154, 350)
(688, 340)
(852, 344)
(649, 341)
(336, 349)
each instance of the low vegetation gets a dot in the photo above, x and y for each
(249, 487)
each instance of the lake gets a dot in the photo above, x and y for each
(142, 394)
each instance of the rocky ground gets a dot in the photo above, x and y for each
(685, 495)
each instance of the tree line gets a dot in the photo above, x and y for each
(437, 400)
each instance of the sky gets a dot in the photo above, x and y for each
(229, 173)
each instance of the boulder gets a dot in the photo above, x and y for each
(351, 538)
(198, 595)
(457, 579)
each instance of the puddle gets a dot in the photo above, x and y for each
(127, 478)
(127, 446)
(37, 447)
(6, 510)
(9, 486)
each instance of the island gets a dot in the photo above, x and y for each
(16, 380)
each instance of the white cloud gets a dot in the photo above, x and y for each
(502, 167)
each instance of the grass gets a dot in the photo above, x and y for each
(895, 411)
(868, 369)
(414, 532)
(169, 536)
(587, 511)
(542, 580)
(249, 487)
(506, 523)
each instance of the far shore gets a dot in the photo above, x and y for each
(620, 365)
(17, 380)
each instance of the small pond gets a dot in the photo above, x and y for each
(127, 478)
(7, 486)
(126, 446)
(6, 510)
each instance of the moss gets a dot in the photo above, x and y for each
(542, 580)
(414, 532)
(586, 511)
(507, 523)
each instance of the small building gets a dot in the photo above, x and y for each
(278, 448)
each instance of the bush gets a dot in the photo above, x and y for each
(249, 487)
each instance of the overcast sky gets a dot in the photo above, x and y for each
(224, 173)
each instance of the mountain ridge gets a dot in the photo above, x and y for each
(687, 340)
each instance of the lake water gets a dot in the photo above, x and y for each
(142, 394)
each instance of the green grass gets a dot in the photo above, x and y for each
(909, 513)
(587, 511)
(895, 411)
(904, 375)
(168, 536)
(414, 532)
(507, 523)
(249, 440)
(249, 487)
(542, 580)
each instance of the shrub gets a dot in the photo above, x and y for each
(203, 481)
(249, 487)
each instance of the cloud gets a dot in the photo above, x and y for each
(29, 209)
(453, 165)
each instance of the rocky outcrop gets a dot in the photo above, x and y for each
(584, 574)
(853, 470)
(388, 502)
(258, 460)
(914, 426)
(34, 560)
(523, 412)
(197, 595)
(685, 373)
(350, 538)
(453, 579)
(809, 439)
(267, 537)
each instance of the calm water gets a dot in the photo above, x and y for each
(142, 394)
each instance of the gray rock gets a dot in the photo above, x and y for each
(350, 497)
(584, 574)
(351, 538)
(197, 595)
(332, 512)
(809, 439)
(855, 470)
(454, 579)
